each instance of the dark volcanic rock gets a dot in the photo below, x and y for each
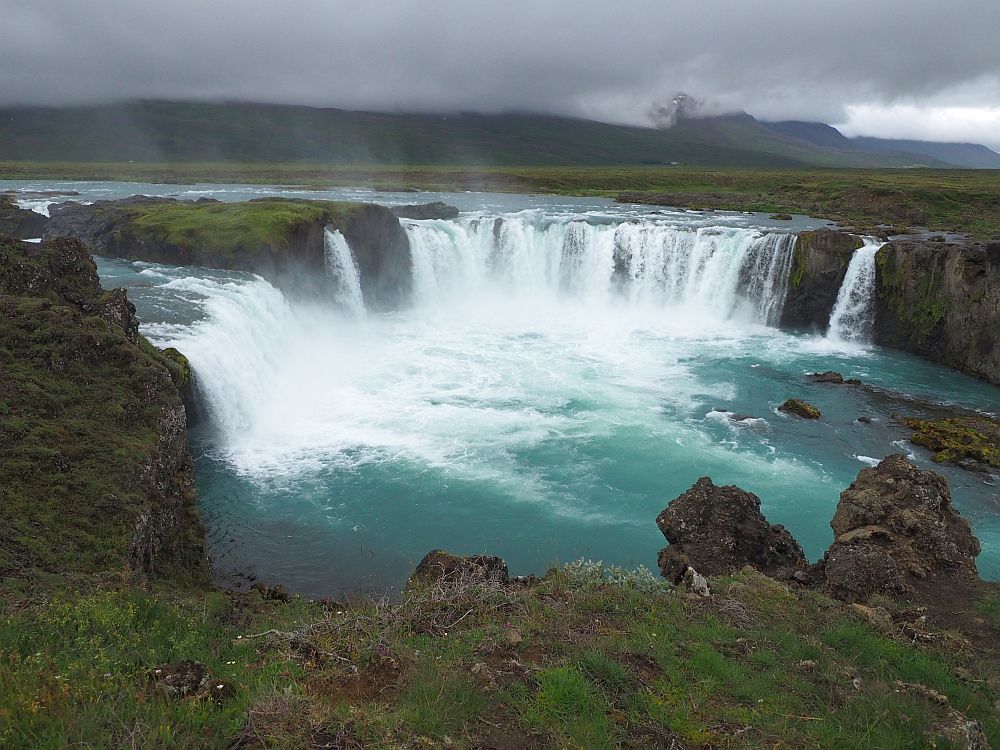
(832, 377)
(942, 303)
(896, 531)
(718, 530)
(382, 252)
(440, 566)
(819, 265)
(435, 210)
(20, 223)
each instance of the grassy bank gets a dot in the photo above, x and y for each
(944, 200)
(578, 660)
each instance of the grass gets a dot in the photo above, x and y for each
(943, 200)
(600, 664)
(231, 227)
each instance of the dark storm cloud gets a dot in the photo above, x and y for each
(610, 60)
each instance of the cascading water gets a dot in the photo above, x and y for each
(714, 270)
(853, 315)
(343, 272)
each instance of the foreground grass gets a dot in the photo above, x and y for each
(574, 661)
(944, 200)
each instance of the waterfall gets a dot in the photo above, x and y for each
(853, 315)
(343, 273)
(714, 270)
(768, 266)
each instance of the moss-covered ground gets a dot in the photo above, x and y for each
(944, 200)
(228, 227)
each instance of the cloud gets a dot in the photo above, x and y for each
(832, 61)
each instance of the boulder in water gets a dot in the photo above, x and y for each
(834, 378)
(895, 531)
(718, 530)
(972, 442)
(800, 408)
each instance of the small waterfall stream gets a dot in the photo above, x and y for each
(853, 316)
(343, 271)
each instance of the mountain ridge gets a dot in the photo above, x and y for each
(172, 131)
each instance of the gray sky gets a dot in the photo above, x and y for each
(896, 68)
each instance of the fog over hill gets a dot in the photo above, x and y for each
(914, 69)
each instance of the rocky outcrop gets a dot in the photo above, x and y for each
(382, 252)
(280, 239)
(896, 532)
(718, 530)
(435, 210)
(941, 302)
(19, 223)
(93, 429)
(819, 264)
(439, 566)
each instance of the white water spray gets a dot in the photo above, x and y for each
(853, 316)
(343, 272)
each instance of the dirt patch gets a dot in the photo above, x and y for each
(502, 735)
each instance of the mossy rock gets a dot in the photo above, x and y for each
(800, 408)
(959, 439)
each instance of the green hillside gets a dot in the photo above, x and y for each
(157, 131)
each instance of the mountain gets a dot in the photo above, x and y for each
(969, 155)
(163, 131)
(966, 155)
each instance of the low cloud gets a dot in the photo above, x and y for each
(857, 62)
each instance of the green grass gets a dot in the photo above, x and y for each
(231, 227)
(944, 200)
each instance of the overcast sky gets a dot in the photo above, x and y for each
(895, 68)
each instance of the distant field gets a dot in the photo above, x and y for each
(943, 200)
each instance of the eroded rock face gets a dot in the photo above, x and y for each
(819, 265)
(20, 223)
(718, 530)
(895, 527)
(942, 303)
(440, 566)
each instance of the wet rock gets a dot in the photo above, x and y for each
(972, 442)
(718, 530)
(832, 377)
(435, 210)
(865, 420)
(440, 566)
(941, 302)
(894, 528)
(800, 408)
(781, 217)
(819, 265)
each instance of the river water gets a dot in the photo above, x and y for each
(532, 403)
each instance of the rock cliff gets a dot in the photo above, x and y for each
(19, 223)
(819, 265)
(95, 475)
(941, 302)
